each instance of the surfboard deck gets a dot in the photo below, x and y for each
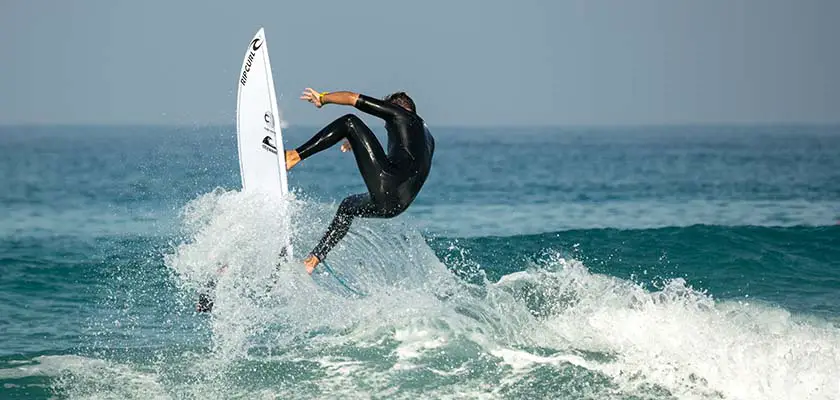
(262, 161)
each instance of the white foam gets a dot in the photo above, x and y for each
(89, 378)
(677, 339)
(683, 340)
(520, 360)
(414, 340)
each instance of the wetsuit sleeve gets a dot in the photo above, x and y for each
(382, 109)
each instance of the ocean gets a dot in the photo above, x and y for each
(678, 262)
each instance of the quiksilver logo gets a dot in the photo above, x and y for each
(255, 45)
(266, 144)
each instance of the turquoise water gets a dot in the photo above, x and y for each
(620, 263)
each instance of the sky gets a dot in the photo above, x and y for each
(465, 62)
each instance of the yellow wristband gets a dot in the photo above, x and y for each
(321, 96)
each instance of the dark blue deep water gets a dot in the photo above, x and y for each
(620, 263)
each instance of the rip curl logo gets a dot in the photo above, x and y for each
(255, 45)
(268, 117)
(268, 145)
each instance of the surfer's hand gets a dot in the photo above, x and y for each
(312, 96)
(345, 147)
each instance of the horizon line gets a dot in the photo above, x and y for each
(443, 126)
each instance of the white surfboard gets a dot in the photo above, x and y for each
(261, 154)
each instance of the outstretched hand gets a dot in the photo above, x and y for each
(312, 96)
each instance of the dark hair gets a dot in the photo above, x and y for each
(401, 99)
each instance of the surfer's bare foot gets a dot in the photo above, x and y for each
(310, 263)
(292, 158)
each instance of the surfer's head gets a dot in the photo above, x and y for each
(401, 99)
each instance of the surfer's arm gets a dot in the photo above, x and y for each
(322, 98)
(364, 103)
(380, 108)
(343, 98)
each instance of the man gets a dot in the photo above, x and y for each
(393, 179)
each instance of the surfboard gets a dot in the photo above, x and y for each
(262, 158)
(262, 161)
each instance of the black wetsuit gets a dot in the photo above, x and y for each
(392, 180)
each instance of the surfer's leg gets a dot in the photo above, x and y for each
(357, 205)
(370, 157)
(373, 165)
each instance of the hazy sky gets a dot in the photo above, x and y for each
(466, 62)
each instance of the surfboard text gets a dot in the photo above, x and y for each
(255, 45)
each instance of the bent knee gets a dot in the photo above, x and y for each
(347, 206)
(351, 120)
(391, 209)
(353, 206)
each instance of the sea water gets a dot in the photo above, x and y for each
(586, 263)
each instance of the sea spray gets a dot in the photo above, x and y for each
(552, 319)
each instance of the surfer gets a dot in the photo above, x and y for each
(393, 180)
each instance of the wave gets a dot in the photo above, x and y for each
(512, 218)
(732, 261)
(549, 317)
(452, 318)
